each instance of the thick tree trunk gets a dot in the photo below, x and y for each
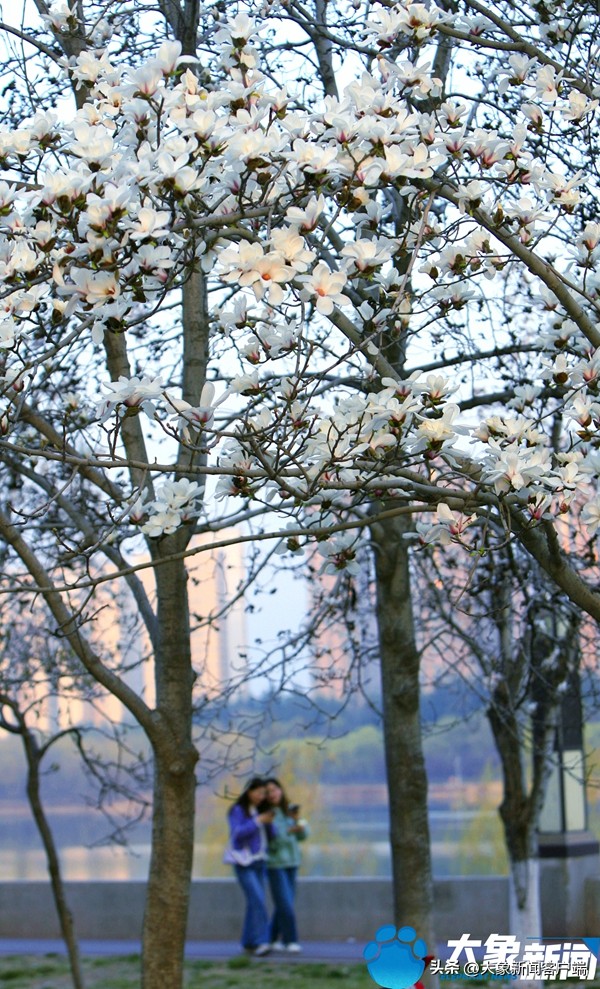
(167, 897)
(525, 917)
(524, 911)
(407, 779)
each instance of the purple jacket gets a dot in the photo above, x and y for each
(247, 841)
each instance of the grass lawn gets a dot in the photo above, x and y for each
(52, 972)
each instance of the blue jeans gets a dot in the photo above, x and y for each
(283, 891)
(252, 879)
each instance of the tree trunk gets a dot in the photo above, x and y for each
(167, 899)
(407, 779)
(524, 912)
(65, 917)
(519, 816)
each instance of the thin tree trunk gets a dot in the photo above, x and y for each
(65, 917)
(407, 779)
(519, 816)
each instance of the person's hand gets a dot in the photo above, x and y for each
(266, 817)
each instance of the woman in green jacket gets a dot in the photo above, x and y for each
(283, 859)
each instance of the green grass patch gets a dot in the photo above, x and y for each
(240, 961)
(244, 972)
(241, 972)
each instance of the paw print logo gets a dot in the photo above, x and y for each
(396, 958)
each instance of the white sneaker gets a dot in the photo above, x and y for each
(294, 948)
(262, 949)
(277, 946)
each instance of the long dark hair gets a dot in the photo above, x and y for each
(243, 800)
(284, 804)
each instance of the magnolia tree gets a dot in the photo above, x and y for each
(29, 664)
(318, 269)
(508, 636)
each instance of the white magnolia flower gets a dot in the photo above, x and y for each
(525, 396)
(455, 521)
(96, 287)
(10, 331)
(579, 106)
(22, 259)
(60, 17)
(563, 191)
(147, 78)
(61, 187)
(340, 554)
(7, 196)
(590, 515)
(246, 384)
(90, 66)
(410, 163)
(434, 388)
(520, 66)
(415, 19)
(175, 505)
(176, 172)
(167, 56)
(438, 431)
(177, 494)
(516, 470)
(288, 243)
(162, 523)
(138, 510)
(590, 237)
(448, 527)
(248, 265)
(367, 255)
(538, 507)
(546, 84)
(200, 416)
(132, 393)
(150, 223)
(278, 339)
(311, 157)
(95, 145)
(306, 219)
(240, 29)
(324, 287)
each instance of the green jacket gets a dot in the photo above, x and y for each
(284, 851)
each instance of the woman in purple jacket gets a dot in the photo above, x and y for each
(250, 831)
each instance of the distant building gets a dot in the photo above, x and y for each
(345, 652)
(112, 621)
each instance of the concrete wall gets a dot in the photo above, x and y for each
(592, 906)
(328, 909)
(569, 874)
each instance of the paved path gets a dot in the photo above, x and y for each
(313, 951)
